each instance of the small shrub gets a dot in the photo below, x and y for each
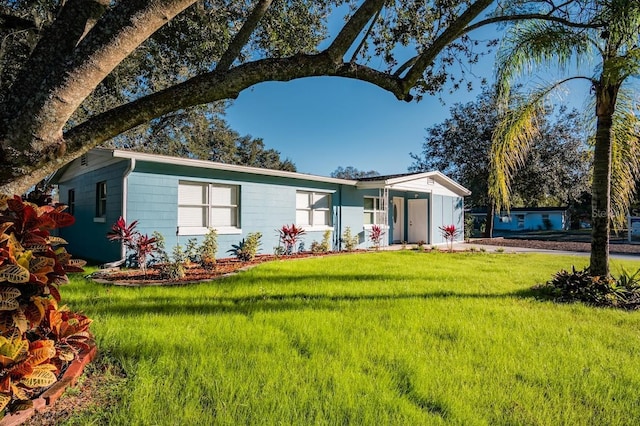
(174, 268)
(209, 249)
(161, 253)
(191, 251)
(469, 223)
(500, 250)
(581, 286)
(324, 246)
(349, 240)
(290, 236)
(449, 233)
(38, 339)
(278, 251)
(247, 249)
(141, 245)
(375, 235)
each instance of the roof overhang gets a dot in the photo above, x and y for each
(203, 164)
(189, 162)
(402, 182)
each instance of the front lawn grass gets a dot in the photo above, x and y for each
(377, 338)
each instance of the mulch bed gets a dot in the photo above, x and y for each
(194, 273)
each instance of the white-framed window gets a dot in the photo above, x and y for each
(373, 211)
(207, 205)
(101, 202)
(313, 209)
(520, 219)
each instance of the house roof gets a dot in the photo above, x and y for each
(190, 162)
(397, 181)
(401, 181)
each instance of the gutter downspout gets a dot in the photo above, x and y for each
(125, 185)
(338, 237)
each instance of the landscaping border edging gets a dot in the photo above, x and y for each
(51, 395)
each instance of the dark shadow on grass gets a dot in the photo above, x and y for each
(248, 305)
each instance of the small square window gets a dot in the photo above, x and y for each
(101, 199)
(71, 201)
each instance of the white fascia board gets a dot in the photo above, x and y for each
(164, 159)
(441, 178)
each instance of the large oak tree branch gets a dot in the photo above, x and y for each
(216, 86)
(345, 38)
(202, 89)
(452, 32)
(122, 29)
(55, 47)
(242, 37)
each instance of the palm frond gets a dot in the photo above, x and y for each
(625, 161)
(512, 138)
(535, 44)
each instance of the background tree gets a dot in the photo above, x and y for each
(555, 173)
(202, 133)
(351, 172)
(616, 140)
(80, 72)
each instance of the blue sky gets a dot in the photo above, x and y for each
(321, 123)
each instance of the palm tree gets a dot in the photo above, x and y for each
(612, 38)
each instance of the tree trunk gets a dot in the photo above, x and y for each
(601, 185)
(488, 227)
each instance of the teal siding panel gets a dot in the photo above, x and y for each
(265, 205)
(458, 216)
(87, 238)
(437, 218)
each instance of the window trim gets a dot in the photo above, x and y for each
(209, 205)
(101, 202)
(71, 201)
(375, 212)
(312, 226)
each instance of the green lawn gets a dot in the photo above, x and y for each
(401, 338)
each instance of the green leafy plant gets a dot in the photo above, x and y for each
(247, 249)
(191, 251)
(278, 251)
(349, 240)
(324, 246)
(161, 252)
(209, 249)
(37, 340)
(289, 236)
(581, 286)
(174, 267)
(469, 223)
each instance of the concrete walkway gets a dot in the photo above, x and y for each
(493, 249)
